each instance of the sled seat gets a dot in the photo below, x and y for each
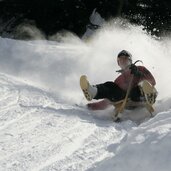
(130, 105)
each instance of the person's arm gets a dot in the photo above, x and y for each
(142, 73)
(148, 76)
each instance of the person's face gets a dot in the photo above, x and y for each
(123, 61)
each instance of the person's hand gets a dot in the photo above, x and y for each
(135, 71)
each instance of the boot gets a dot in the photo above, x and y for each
(89, 91)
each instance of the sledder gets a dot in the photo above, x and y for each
(134, 87)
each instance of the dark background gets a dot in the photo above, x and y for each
(51, 16)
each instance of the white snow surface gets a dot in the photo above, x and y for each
(44, 124)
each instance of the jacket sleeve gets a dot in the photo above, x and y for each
(146, 75)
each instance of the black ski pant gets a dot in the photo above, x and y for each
(113, 92)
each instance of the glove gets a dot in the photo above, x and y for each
(135, 71)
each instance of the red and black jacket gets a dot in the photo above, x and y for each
(123, 80)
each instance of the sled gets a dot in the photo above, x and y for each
(149, 95)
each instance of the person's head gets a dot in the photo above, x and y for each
(124, 59)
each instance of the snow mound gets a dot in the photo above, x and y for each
(39, 132)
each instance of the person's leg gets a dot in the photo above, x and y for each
(109, 90)
(135, 94)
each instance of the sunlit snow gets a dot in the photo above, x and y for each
(44, 122)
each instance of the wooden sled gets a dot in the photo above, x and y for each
(148, 92)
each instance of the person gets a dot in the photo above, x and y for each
(116, 90)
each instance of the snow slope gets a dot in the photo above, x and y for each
(38, 132)
(44, 124)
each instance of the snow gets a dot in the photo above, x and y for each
(44, 124)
